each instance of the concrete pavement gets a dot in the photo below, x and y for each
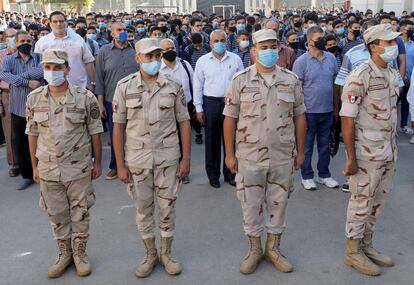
(209, 240)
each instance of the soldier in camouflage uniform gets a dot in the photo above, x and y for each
(64, 126)
(264, 119)
(369, 122)
(148, 106)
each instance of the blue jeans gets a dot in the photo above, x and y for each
(108, 107)
(319, 126)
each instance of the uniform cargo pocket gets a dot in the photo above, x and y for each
(240, 190)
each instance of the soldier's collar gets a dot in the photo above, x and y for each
(161, 80)
(375, 71)
(255, 74)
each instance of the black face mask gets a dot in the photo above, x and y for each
(410, 33)
(232, 29)
(294, 45)
(81, 32)
(333, 49)
(298, 24)
(170, 55)
(164, 29)
(25, 48)
(356, 33)
(320, 44)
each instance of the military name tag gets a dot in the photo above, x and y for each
(75, 110)
(133, 96)
(41, 109)
(250, 89)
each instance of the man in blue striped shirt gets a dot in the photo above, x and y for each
(243, 50)
(23, 71)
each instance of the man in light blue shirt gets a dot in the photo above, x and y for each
(212, 76)
(317, 70)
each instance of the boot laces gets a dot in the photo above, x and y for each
(81, 251)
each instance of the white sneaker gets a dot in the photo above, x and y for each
(412, 140)
(309, 184)
(407, 130)
(328, 182)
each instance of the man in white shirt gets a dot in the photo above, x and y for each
(81, 59)
(213, 74)
(180, 70)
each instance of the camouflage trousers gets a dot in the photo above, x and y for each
(165, 185)
(369, 190)
(67, 205)
(263, 190)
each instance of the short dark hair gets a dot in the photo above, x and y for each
(336, 22)
(290, 33)
(404, 23)
(194, 20)
(89, 14)
(371, 22)
(21, 32)
(330, 37)
(375, 42)
(349, 15)
(243, 33)
(57, 13)
(196, 38)
(311, 17)
(384, 16)
(90, 28)
(351, 23)
(153, 29)
(33, 27)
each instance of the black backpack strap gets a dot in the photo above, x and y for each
(188, 74)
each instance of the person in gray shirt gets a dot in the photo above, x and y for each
(114, 62)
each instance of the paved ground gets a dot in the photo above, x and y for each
(209, 237)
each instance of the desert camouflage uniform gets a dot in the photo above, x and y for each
(152, 146)
(370, 97)
(265, 144)
(64, 153)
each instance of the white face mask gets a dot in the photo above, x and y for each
(244, 44)
(389, 54)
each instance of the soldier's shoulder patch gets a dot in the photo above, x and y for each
(38, 90)
(94, 110)
(241, 72)
(183, 100)
(360, 69)
(352, 97)
(127, 78)
(114, 106)
(227, 100)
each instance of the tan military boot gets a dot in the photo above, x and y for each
(150, 260)
(171, 266)
(274, 256)
(83, 267)
(253, 257)
(63, 260)
(357, 259)
(373, 254)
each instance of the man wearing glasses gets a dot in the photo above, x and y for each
(80, 58)
(147, 106)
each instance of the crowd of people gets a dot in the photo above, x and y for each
(262, 88)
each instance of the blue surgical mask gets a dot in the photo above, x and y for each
(240, 27)
(151, 68)
(91, 36)
(11, 42)
(127, 23)
(123, 37)
(340, 31)
(102, 25)
(244, 44)
(3, 46)
(219, 47)
(54, 78)
(389, 54)
(141, 30)
(268, 57)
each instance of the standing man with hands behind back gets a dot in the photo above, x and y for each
(369, 128)
(265, 120)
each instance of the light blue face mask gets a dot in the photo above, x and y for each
(268, 57)
(11, 42)
(127, 23)
(54, 78)
(340, 31)
(240, 27)
(3, 46)
(219, 47)
(141, 30)
(151, 68)
(102, 25)
(91, 36)
(389, 54)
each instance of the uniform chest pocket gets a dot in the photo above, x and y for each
(250, 105)
(378, 104)
(75, 120)
(42, 120)
(166, 106)
(134, 105)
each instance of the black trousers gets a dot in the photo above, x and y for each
(20, 146)
(213, 128)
